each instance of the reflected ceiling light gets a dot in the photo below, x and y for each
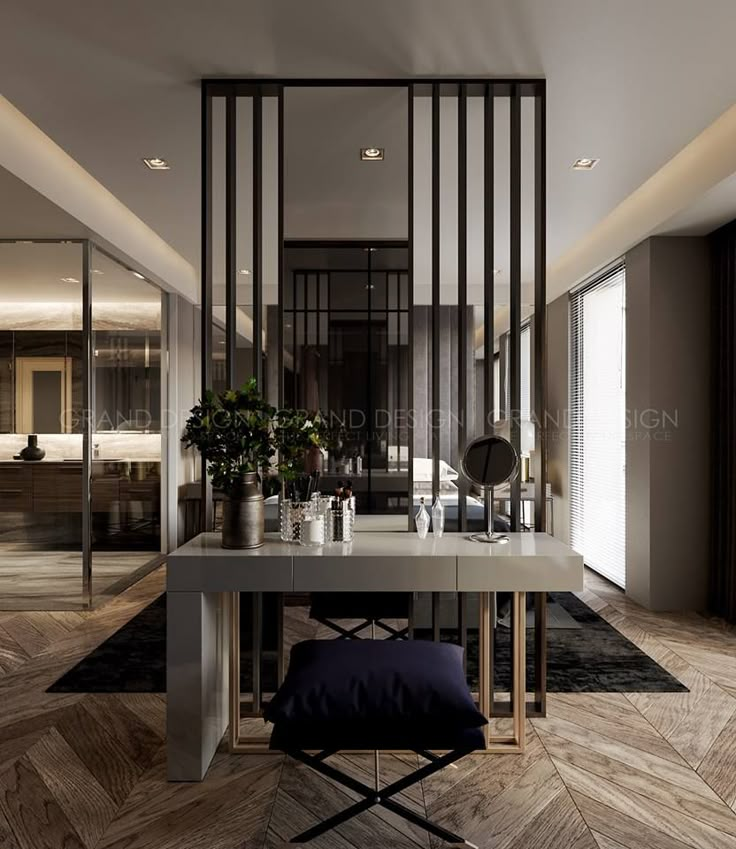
(69, 280)
(371, 154)
(138, 275)
(584, 164)
(244, 271)
(156, 164)
(97, 271)
(496, 270)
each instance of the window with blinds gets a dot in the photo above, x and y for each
(598, 425)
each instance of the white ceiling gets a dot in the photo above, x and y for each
(33, 274)
(629, 81)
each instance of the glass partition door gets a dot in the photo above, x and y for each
(126, 396)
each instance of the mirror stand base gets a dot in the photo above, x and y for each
(486, 538)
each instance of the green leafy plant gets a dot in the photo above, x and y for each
(234, 431)
(296, 431)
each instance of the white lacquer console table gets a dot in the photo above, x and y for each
(202, 578)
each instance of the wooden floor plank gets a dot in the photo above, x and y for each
(77, 791)
(656, 816)
(708, 809)
(103, 755)
(698, 730)
(34, 815)
(622, 829)
(718, 767)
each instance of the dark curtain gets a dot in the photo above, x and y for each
(723, 528)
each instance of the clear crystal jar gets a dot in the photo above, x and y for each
(438, 517)
(421, 520)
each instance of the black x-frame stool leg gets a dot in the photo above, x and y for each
(382, 796)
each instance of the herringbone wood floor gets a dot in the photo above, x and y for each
(602, 770)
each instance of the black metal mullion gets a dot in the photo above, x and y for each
(410, 314)
(435, 290)
(280, 237)
(258, 238)
(369, 405)
(206, 295)
(489, 413)
(462, 283)
(540, 383)
(515, 295)
(231, 238)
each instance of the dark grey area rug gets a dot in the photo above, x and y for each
(593, 658)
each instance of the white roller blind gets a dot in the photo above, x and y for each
(598, 425)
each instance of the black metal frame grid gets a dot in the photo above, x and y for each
(462, 89)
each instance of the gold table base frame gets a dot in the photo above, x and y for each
(495, 744)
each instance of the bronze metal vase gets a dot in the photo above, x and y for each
(243, 515)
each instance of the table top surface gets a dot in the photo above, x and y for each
(385, 544)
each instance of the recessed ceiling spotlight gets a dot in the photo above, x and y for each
(371, 154)
(244, 271)
(156, 164)
(138, 275)
(584, 164)
(370, 285)
(69, 280)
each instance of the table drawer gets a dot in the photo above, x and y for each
(15, 489)
(57, 488)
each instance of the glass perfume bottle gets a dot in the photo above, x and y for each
(438, 517)
(422, 520)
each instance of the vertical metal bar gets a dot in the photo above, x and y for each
(231, 238)
(485, 660)
(87, 405)
(280, 237)
(369, 385)
(540, 654)
(280, 659)
(540, 311)
(436, 631)
(462, 625)
(206, 300)
(462, 283)
(410, 315)
(258, 238)
(515, 294)
(434, 413)
(489, 414)
(234, 700)
(540, 382)
(257, 612)
(519, 676)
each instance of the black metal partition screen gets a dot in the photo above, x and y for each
(475, 185)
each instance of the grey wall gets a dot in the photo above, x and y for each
(184, 389)
(558, 399)
(668, 462)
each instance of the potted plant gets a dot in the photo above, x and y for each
(300, 436)
(233, 430)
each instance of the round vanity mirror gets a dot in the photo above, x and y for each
(490, 461)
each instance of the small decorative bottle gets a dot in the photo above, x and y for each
(422, 520)
(438, 517)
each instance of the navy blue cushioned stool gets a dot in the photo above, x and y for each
(375, 695)
(370, 608)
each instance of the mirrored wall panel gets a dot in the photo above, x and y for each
(41, 424)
